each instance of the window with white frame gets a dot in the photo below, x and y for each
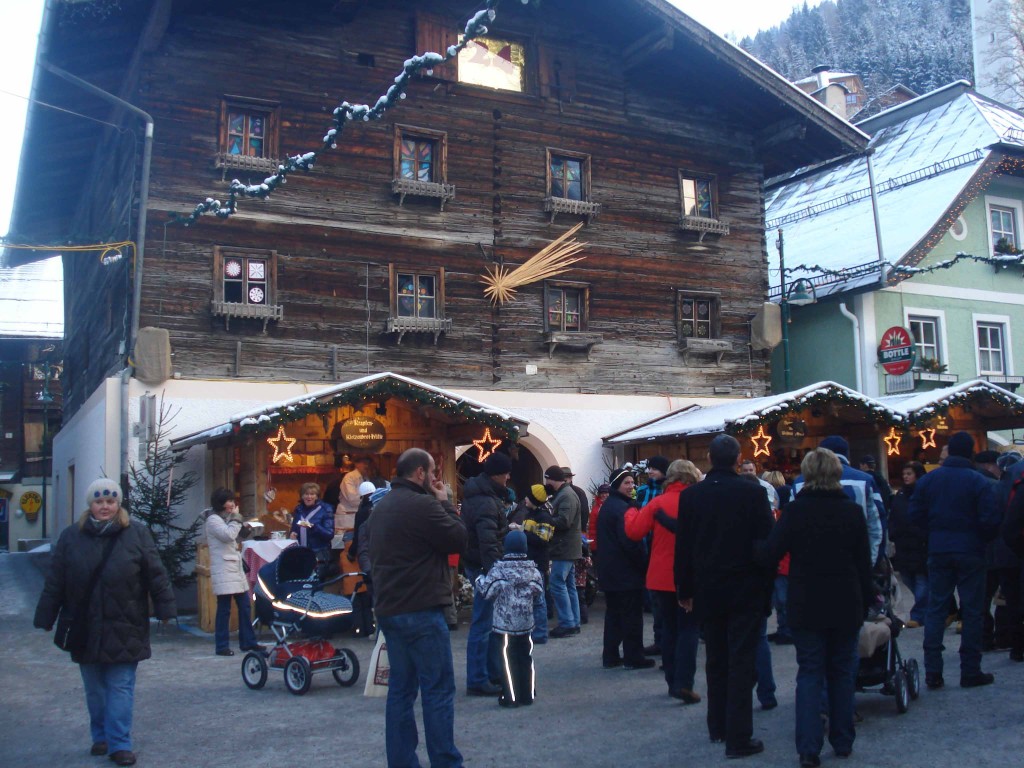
(1004, 222)
(925, 331)
(991, 348)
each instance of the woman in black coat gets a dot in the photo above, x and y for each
(620, 575)
(911, 544)
(116, 615)
(830, 590)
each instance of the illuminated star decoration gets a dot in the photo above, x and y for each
(276, 443)
(486, 445)
(927, 437)
(761, 450)
(892, 440)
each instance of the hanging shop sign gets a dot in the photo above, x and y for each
(364, 433)
(897, 352)
(791, 426)
(30, 503)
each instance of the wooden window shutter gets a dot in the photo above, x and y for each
(556, 73)
(435, 33)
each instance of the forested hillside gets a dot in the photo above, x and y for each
(922, 44)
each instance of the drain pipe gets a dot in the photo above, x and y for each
(858, 367)
(140, 247)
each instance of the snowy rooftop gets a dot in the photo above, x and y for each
(925, 153)
(32, 300)
(275, 410)
(702, 420)
(912, 402)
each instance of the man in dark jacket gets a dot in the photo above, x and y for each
(957, 507)
(412, 531)
(720, 519)
(483, 510)
(566, 549)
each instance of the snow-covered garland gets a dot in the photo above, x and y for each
(924, 416)
(475, 27)
(1003, 260)
(828, 396)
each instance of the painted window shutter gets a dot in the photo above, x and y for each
(435, 33)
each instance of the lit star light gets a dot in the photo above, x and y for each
(927, 437)
(759, 449)
(892, 440)
(277, 442)
(486, 445)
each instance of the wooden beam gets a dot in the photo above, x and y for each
(781, 133)
(661, 39)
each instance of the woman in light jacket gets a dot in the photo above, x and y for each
(116, 617)
(224, 529)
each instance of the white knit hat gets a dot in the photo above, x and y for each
(366, 487)
(102, 488)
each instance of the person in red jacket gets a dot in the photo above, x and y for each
(680, 632)
(602, 493)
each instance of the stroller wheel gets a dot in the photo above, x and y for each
(913, 678)
(902, 691)
(298, 675)
(254, 670)
(347, 671)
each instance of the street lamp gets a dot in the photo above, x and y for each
(46, 398)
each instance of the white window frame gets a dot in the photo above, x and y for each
(939, 316)
(1003, 202)
(1004, 321)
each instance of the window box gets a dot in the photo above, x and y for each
(571, 340)
(226, 162)
(245, 285)
(438, 190)
(716, 347)
(230, 309)
(432, 325)
(556, 205)
(703, 226)
(942, 378)
(1006, 382)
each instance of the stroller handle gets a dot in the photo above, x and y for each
(336, 579)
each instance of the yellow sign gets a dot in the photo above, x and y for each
(31, 502)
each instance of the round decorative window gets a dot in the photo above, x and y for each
(959, 229)
(256, 295)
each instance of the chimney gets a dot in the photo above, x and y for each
(821, 73)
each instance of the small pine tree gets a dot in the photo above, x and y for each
(155, 493)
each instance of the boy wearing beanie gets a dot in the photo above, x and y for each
(513, 583)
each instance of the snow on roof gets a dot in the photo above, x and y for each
(269, 413)
(912, 403)
(921, 166)
(702, 420)
(32, 300)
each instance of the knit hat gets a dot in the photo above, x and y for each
(836, 444)
(554, 473)
(961, 444)
(515, 543)
(617, 476)
(366, 488)
(659, 463)
(604, 488)
(986, 457)
(868, 460)
(104, 488)
(538, 494)
(497, 464)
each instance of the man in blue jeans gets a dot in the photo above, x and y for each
(411, 532)
(566, 549)
(957, 507)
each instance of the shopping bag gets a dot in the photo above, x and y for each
(377, 679)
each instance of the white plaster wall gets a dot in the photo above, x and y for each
(18, 526)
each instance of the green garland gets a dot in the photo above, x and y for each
(377, 391)
(827, 396)
(345, 112)
(1003, 260)
(924, 416)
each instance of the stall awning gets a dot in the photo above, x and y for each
(442, 404)
(994, 407)
(745, 415)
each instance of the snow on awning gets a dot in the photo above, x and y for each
(919, 408)
(357, 393)
(743, 415)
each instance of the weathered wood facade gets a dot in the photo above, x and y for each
(636, 88)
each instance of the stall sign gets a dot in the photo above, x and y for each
(364, 433)
(31, 502)
(897, 352)
(791, 426)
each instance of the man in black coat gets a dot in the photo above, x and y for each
(720, 519)
(483, 511)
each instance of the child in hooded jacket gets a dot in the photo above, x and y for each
(513, 583)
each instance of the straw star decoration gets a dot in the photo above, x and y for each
(554, 259)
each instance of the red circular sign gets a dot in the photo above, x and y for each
(896, 353)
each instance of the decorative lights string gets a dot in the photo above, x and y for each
(1003, 260)
(345, 112)
(821, 397)
(110, 253)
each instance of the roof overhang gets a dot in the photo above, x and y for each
(357, 393)
(987, 401)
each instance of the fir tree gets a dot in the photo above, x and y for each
(155, 493)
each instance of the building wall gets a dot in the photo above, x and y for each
(820, 349)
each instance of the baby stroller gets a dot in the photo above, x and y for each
(291, 601)
(881, 663)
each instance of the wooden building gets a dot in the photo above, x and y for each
(625, 115)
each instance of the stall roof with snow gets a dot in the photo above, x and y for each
(438, 403)
(741, 416)
(978, 404)
(927, 154)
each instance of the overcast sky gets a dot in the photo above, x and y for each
(21, 18)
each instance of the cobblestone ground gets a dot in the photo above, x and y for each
(193, 710)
